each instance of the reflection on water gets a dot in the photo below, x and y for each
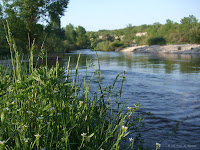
(164, 63)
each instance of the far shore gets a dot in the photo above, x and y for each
(166, 49)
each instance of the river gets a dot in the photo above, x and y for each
(166, 85)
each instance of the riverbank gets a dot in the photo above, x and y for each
(167, 49)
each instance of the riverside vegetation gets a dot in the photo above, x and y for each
(25, 18)
(45, 108)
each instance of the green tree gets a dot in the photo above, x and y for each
(191, 20)
(194, 35)
(70, 34)
(1, 13)
(82, 40)
(31, 11)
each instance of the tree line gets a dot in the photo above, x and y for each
(185, 32)
(26, 19)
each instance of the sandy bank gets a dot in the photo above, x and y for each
(167, 49)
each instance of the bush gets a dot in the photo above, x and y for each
(105, 46)
(110, 46)
(179, 47)
(117, 44)
(157, 41)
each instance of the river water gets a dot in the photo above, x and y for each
(166, 85)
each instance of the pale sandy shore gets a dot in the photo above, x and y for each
(167, 49)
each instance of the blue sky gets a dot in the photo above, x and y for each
(95, 15)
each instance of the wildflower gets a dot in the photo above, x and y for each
(131, 139)
(124, 128)
(37, 136)
(158, 145)
(26, 140)
(83, 134)
(15, 101)
(53, 108)
(6, 108)
(63, 139)
(29, 112)
(26, 126)
(58, 114)
(129, 108)
(40, 118)
(2, 142)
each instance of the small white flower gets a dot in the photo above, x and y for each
(15, 101)
(101, 149)
(2, 142)
(42, 148)
(26, 126)
(55, 91)
(80, 102)
(83, 134)
(6, 108)
(58, 114)
(40, 118)
(131, 139)
(53, 108)
(37, 136)
(158, 145)
(29, 112)
(124, 128)
(18, 109)
(129, 108)
(26, 140)
(63, 139)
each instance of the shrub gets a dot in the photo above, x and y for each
(105, 46)
(157, 41)
(179, 47)
(117, 44)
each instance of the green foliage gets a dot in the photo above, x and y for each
(104, 46)
(4, 49)
(23, 17)
(44, 108)
(194, 35)
(157, 41)
(76, 38)
(173, 33)
(179, 47)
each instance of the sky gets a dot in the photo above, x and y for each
(96, 15)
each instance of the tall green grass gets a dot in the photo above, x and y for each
(45, 108)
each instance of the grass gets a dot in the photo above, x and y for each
(45, 108)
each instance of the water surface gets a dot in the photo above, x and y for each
(166, 85)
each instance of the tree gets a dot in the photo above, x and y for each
(191, 20)
(81, 39)
(70, 33)
(1, 13)
(31, 11)
(194, 35)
